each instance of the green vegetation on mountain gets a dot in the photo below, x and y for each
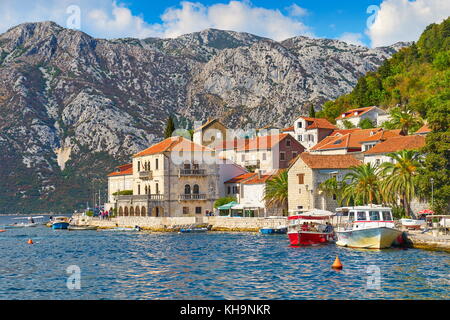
(414, 85)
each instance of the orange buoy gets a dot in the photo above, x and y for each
(30, 241)
(2, 230)
(337, 264)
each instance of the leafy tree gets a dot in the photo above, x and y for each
(405, 120)
(363, 185)
(170, 128)
(366, 124)
(222, 201)
(276, 193)
(333, 187)
(312, 112)
(399, 178)
(348, 125)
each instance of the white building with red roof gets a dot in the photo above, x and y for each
(376, 115)
(310, 131)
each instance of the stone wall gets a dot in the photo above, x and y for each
(163, 223)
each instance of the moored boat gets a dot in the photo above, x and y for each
(60, 223)
(368, 227)
(80, 228)
(193, 230)
(277, 230)
(412, 223)
(310, 228)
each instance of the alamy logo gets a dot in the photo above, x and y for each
(74, 19)
(74, 280)
(374, 278)
(373, 10)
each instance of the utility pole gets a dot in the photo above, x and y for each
(432, 192)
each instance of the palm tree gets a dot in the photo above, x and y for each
(332, 187)
(363, 185)
(276, 193)
(405, 120)
(399, 176)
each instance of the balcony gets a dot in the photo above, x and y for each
(142, 197)
(252, 163)
(146, 175)
(196, 196)
(192, 172)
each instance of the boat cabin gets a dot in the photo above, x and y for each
(365, 216)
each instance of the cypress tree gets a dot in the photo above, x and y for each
(312, 112)
(170, 128)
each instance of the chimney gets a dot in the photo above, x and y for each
(258, 171)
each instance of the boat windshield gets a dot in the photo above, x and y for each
(374, 215)
(361, 216)
(387, 216)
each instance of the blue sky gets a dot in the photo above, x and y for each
(327, 18)
(395, 20)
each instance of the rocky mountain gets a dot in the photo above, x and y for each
(72, 107)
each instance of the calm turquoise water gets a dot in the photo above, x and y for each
(121, 265)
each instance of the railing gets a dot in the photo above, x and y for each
(143, 197)
(192, 172)
(252, 163)
(192, 197)
(146, 175)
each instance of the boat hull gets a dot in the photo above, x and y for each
(309, 238)
(371, 238)
(60, 225)
(412, 224)
(194, 230)
(273, 231)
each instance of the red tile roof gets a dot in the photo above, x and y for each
(123, 170)
(319, 123)
(351, 140)
(397, 144)
(258, 143)
(173, 144)
(424, 130)
(262, 179)
(351, 113)
(383, 135)
(241, 177)
(288, 129)
(319, 161)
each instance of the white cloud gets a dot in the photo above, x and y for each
(111, 19)
(403, 20)
(296, 11)
(352, 38)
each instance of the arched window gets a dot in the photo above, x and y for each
(137, 212)
(187, 189)
(196, 189)
(143, 211)
(131, 211)
(157, 188)
(120, 211)
(126, 211)
(146, 190)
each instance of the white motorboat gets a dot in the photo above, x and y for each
(26, 222)
(370, 227)
(412, 223)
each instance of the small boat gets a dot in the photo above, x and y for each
(368, 227)
(60, 223)
(79, 228)
(137, 228)
(193, 230)
(278, 230)
(412, 223)
(30, 222)
(310, 228)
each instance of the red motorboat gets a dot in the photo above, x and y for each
(311, 228)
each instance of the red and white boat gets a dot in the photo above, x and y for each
(310, 228)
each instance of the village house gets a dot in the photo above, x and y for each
(424, 130)
(376, 115)
(310, 131)
(307, 172)
(119, 180)
(249, 191)
(266, 153)
(210, 134)
(379, 153)
(171, 178)
(352, 140)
